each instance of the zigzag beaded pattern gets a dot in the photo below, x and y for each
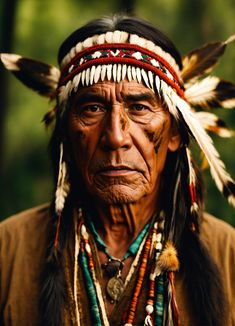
(117, 62)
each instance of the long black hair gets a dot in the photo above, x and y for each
(202, 278)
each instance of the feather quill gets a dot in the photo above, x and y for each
(201, 61)
(38, 76)
(211, 92)
(222, 179)
(212, 123)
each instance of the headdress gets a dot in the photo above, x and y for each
(119, 55)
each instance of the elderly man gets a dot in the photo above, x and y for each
(125, 240)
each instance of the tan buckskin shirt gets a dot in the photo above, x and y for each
(22, 250)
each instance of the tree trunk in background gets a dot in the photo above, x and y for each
(7, 20)
(126, 6)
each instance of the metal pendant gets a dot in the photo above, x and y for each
(113, 266)
(115, 287)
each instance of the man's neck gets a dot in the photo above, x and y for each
(119, 224)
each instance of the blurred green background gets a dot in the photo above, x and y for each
(36, 28)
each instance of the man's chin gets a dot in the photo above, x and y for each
(118, 194)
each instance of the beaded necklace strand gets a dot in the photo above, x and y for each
(151, 246)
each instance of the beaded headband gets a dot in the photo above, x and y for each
(117, 56)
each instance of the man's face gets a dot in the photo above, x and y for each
(120, 135)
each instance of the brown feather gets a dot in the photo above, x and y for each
(39, 76)
(201, 61)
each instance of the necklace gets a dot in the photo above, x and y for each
(113, 267)
(160, 308)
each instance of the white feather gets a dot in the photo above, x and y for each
(116, 36)
(103, 72)
(109, 72)
(133, 70)
(109, 37)
(62, 184)
(124, 69)
(202, 91)
(88, 42)
(134, 39)
(97, 74)
(114, 72)
(124, 37)
(138, 75)
(101, 39)
(150, 75)
(76, 81)
(217, 167)
(88, 76)
(157, 83)
(145, 77)
(83, 77)
(92, 74)
(209, 119)
(119, 72)
(129, 76)
(78, 47)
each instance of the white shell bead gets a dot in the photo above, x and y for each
(88, 248)
(83, 230)
(149, 309)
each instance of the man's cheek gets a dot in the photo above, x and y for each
(155, 137)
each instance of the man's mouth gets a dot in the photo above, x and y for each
(115, 170)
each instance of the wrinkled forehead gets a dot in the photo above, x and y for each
(116, 91)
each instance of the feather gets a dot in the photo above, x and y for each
(124, 69)
(63, 188)
(129, 76)
(92, 74)
(145, 78)
(76, 81)
(88, 76)
(201, 61)
(83, 77)
(49, 116)
(119, 73)
(222, 179)
(133, 71)
(39, 76)
(138, 75)
(212, 123)
(109, 72)
(103, 72)
(211, 92)
(114, 72)
(97, 74)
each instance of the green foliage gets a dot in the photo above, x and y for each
(40, 28)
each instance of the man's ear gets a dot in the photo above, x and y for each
(175, 138)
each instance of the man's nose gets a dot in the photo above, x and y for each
(116, 130)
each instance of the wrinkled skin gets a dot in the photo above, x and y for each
(120, 135)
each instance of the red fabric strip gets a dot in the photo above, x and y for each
(129, 61)
(126, 46)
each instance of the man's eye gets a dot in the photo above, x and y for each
(138, 107)
(92, 108)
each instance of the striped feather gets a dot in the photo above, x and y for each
(211, 92)
(222, 179)
(39, 76)
(212, 123)
(201, 61)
